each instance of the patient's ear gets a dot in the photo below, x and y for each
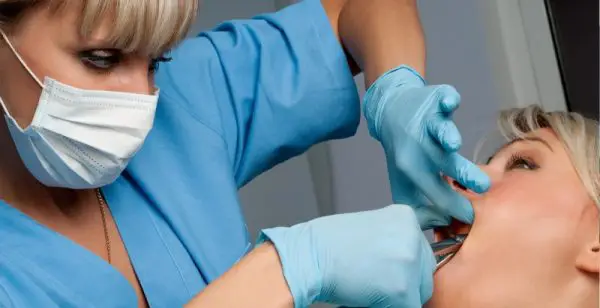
(588, 259)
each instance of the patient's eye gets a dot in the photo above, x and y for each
(517, 161)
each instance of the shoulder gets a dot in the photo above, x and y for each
(206, 61)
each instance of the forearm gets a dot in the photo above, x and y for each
(379, 34)
(256, 281)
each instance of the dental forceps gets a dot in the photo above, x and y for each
(444, 250)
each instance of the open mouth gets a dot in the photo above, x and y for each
(455, 228)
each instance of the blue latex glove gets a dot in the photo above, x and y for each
(414, 124)
(373, 259)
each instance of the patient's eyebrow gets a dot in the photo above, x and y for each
(517, 140)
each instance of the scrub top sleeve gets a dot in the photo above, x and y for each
(280, 83)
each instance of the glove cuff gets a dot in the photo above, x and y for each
(375, 98)
(296, 260)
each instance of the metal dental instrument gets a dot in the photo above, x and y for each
(444, 250)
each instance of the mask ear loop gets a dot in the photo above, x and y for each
(18, 56)
(14, 51)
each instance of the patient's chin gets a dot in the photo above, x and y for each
(459, 285)
(446, 286)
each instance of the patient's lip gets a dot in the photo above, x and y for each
(461, 189)
(459, 185)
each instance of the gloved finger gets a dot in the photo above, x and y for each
(444, 198)
(450, 99)
(429, 218)
(466, 173)
(445, 132)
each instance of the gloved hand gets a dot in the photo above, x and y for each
(373, 259)
(414, 124)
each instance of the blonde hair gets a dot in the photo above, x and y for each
(146, 27)
(578, 135)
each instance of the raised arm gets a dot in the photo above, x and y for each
(378, 35)
(273, 86)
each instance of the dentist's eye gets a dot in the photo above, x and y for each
(101, 59)
(517, 161)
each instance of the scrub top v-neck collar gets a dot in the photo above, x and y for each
(75, 270)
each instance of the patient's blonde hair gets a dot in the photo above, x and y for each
(578, 135)
(148, 27)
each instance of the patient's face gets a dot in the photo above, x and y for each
(535, 237)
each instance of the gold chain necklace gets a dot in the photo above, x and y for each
(103, 207)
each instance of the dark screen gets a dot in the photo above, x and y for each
(576, 34)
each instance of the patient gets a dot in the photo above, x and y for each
(535, 239)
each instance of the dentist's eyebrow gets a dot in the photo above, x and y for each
(517, 140)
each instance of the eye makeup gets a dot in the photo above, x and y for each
(520, 161)
(101, 59)
(107, 59)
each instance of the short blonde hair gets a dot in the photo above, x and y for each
(147, 27)
(578, 135)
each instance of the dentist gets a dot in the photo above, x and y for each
(119, 179)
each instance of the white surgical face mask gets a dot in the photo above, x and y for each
(80, 139)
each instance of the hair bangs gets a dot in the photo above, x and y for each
(146, 27)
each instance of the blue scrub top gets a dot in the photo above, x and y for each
(234, 102)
